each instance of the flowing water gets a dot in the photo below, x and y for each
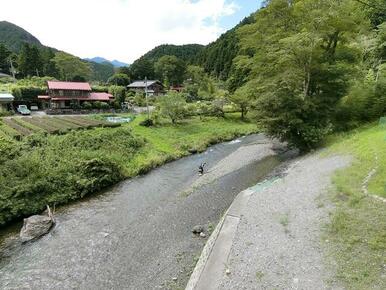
(137, 235)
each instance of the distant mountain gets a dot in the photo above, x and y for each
(118, 63)
(115, 63)
(14, 36)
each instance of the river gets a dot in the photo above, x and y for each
(136, 235)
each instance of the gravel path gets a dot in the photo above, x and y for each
(277, 243)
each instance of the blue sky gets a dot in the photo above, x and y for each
(124, 29)
(245, 8)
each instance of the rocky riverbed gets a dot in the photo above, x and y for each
(138, 235)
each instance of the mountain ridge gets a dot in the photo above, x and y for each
(116, 63)
(14, 36)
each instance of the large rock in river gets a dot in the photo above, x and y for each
(35, 227)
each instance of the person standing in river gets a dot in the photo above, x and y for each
(201, 168)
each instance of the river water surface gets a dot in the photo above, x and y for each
(137, 235)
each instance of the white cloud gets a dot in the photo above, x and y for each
(121, 29)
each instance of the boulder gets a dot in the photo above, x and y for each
(35, 226)
(198, 229)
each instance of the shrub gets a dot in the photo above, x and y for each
(33, 176)
(172, 106)
(104, 106)
(87, 106)
(147, 123)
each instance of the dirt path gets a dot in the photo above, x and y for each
(278, 241)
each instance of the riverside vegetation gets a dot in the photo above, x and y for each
(357, 232)
(55, 169)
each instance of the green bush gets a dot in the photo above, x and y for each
(5, 113)
(87, 106)
(32, 175)
(147, 123)
(104, 106)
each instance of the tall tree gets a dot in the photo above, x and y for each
(300, 60)
(170, 69)
(49, 67)
(5, 53)
(142, 68)
(30, 62)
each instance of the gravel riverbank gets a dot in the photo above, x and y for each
(278, 241)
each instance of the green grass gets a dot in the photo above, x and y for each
(357, 232)
(169, 142)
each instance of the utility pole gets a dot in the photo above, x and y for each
(147, 101)
(12, 68)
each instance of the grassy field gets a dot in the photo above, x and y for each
(45, 168)
(357, 231)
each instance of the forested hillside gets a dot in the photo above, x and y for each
(145, 65)
(217, 57)
(187, 52)
(14, 36)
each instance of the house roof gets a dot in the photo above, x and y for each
(142, 84)
(54, 85)
(92, 97)
(5, 97)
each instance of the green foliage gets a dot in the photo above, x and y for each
(217, 57)
(142, 68)
(30, 62)
(147, 123)
(244, 98)
(90, 161)
(172, 106)
(119, 79)
(139, 99)
(87, 105)
(119, 93)
(100, 105)
(170, 70)
(49, 67)
(70, 66)
(300, 60)
(199, 86)
(27, 89)
(5, 53)
(32, 175)
(357, 231)
(14, 37)
(101, 71)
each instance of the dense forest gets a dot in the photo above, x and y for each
(217, 57)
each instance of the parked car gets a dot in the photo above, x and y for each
(34, 108)
(23, 109)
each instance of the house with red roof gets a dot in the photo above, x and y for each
(67, 95)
